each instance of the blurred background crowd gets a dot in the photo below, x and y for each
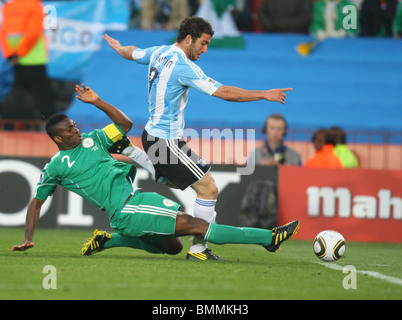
(49, 46)
(322, 18)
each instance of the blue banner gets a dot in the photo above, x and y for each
(74, 30)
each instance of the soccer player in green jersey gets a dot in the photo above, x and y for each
(142, 220)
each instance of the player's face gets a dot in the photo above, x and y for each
(68, 136)
(198, 47)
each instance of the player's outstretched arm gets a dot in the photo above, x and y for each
(125, 51)
(231, 93)
(32, 218)
(87, 95)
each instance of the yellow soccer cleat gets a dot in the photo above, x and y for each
(281, 234)
(96, 243)
(207, 254)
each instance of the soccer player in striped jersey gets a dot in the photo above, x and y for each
(172, 72)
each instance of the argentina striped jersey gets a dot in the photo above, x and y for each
(170, 76)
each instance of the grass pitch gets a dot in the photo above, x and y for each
(249, 272)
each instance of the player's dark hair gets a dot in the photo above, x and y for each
(194, 26)
(52, 122)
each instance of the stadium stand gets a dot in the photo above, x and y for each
(354, 83)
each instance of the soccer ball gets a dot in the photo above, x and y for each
(329, 245)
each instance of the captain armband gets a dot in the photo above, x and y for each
(113, 132)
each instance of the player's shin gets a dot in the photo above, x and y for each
(222, 234)
(118, 240)
(205, 210)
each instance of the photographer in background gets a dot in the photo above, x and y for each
(274, 151)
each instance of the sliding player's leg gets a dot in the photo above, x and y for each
(223, 234)
(102, 240)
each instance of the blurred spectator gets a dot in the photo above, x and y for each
(327, 20)
(285, 16)
(242, 15)
(398, 21)
(219, 13)
(274, 151)
(163, 14)
(135, 14)
(347, 157)
(24, 45)
(318, 139)
(6, 79)
(324, 144)
(358, 4)
(193, 5)
(377, 18)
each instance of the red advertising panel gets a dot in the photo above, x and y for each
(363, 205)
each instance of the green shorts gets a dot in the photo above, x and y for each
(145, 215)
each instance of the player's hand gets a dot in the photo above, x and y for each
(23, 246)
(278, 95)
(113, 43)
(86, 94)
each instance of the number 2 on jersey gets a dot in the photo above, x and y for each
(70, 164)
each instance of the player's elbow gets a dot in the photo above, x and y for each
(225, 93)
(126, 126)
(129, 124)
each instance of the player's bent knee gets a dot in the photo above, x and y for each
(171, 246)
(206, 188)
(187, 225)
(213, 189)
(209, 191)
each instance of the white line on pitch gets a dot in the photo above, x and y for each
(373, 274)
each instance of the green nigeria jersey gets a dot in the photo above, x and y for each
(90, 171)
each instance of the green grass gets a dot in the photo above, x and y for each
(249, 272)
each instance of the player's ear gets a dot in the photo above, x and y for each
(58, 139)
(188, 39)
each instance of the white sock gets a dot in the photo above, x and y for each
(205, 210)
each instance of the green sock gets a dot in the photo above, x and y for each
(117, 240)
(221, 234)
